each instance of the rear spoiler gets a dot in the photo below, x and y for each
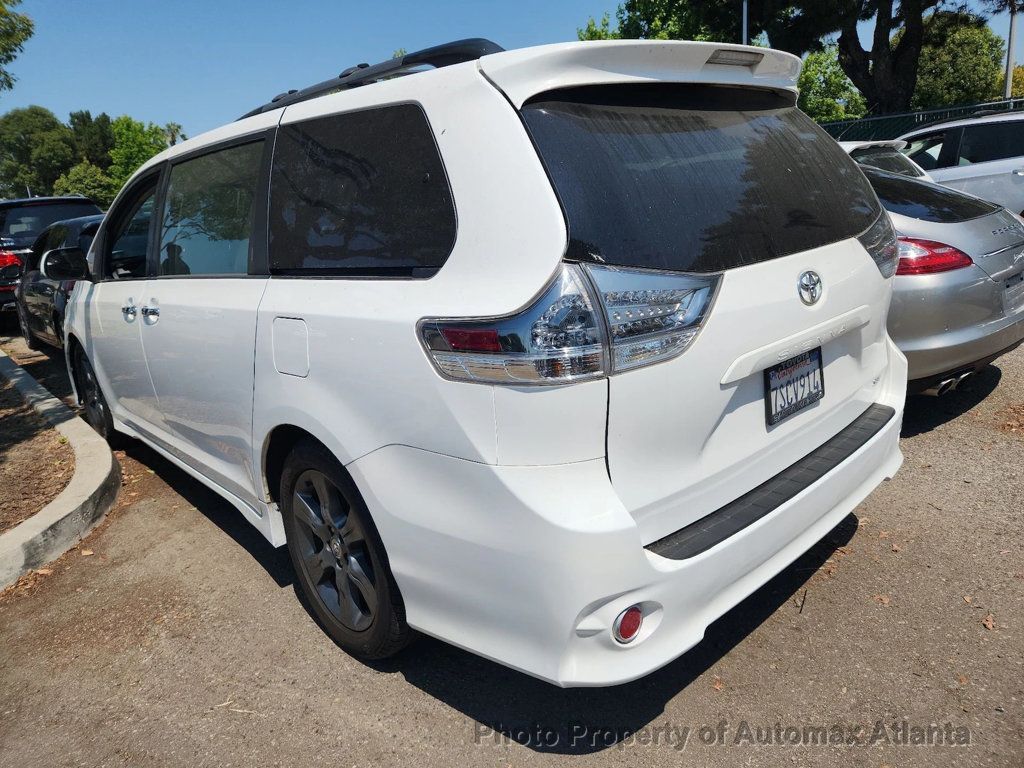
(523, 73)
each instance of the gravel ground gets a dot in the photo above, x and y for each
(173, 636)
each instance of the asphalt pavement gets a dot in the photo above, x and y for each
(173, 636)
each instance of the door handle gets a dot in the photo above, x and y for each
(151, 311)
(1018, 172)
(128, 310)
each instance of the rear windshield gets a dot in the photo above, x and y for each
(921, 200)
(27, 221)
(694, 178)
(888, 159)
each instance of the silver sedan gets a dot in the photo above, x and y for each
(958, 301)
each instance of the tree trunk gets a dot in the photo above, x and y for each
(886, 75)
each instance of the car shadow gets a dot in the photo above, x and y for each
(924, 413)
(506, 705)
(218, 511)
(502, 704)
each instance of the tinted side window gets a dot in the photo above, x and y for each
(208, 213)
(363, 193)
(127, 241)
(921, 200)
(925, 150)
(991, 141)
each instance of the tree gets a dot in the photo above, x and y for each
(961, 62)
(826, 93)
(35, 149)
(93, 137)
(134, 144)
(89, 180)
(174, 133)
(15, 30)
(885, 74)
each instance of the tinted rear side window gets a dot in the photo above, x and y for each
(921, 200)
(886, 158)
(986, 142)
(362, 193)
(694, 178)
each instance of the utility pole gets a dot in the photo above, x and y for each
(1011, 41)
(745, 36)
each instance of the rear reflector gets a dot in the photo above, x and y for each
(928, 257)
(627, 624)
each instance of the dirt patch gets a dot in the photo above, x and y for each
(1011, 420)
(36, 461)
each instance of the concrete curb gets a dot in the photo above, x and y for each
(91, 493)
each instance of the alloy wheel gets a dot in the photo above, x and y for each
(333, 551)
(92, 397)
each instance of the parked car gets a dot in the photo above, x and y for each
(885, 154)
(983, 156)
(958, 302)
(637, 375)
(41, 300)
(21, 221)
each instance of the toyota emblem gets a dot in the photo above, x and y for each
(809, 287)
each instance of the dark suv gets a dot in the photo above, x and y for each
(21, 221)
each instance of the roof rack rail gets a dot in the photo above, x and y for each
(361, 74)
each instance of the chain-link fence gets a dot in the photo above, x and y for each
(891, 126)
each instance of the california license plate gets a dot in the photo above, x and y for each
(793, 385)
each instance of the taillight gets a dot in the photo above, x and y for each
(10, 265)
(590, 321)
(927, 257)
(879, 240)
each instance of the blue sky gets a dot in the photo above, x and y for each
(202, 63)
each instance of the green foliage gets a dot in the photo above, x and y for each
(134, 144)
(35, 149)
(826, 93)
(1017, 89)
(598, 30)
(93, 137)
(89, 180)
(961, 62)
(173, 133)
(15, 30)
(650, 20)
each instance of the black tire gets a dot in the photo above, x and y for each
(94, 404)
(339, 560)
(30, 340)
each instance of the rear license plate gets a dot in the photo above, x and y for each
(1013, 293)
(793, 385)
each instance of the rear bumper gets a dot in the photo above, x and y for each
(530, 565)
(7, 298)
(951, 322)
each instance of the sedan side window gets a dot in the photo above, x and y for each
(208, 214)
(925, 150)
(992, 141)
(128, 237)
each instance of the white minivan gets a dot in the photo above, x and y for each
(556, 354)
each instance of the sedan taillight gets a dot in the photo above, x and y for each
(928, 257)
(10, 268)
(590, 321)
